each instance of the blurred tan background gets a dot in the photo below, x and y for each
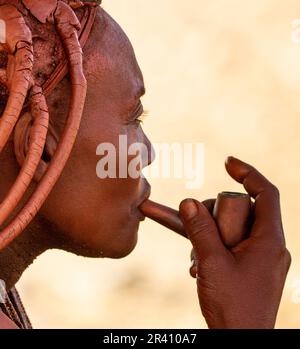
(222, 72)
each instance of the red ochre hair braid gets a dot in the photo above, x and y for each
(19, 80)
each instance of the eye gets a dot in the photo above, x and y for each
(138, 116)
(142, 117)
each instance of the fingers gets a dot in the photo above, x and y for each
(209, 204)
(266, 195)
(201, 229)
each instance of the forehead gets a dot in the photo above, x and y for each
(111, 63)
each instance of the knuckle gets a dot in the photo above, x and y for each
(197, 226)
(271, 241)
(194, 222)
(274, 190)
(288, 258)
(198, 236)
(281, 254)
(279, 249)
(273, 247)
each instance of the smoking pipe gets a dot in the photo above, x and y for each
(232, 213)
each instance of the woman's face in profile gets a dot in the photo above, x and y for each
(100, 217)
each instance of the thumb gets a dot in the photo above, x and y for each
(201, 229)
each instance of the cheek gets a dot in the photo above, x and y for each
(115, 144)
(97, 212)
(121, 187)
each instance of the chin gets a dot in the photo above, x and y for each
(122, 251)
(122, 238)
(117, 244)
(122, 242)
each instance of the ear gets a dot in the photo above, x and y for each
(22, 135)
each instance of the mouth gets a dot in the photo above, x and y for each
(146, 195)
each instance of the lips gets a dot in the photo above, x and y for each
(144, 197)
(146, 194)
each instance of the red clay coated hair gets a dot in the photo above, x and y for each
(25, 90)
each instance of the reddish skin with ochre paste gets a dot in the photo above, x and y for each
(111, 71)
(100, 218)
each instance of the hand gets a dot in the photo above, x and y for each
(241, 287)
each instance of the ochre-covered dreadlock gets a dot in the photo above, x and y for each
(23, 89)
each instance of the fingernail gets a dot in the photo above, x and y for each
(189, 209)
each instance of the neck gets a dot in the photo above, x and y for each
(21, 253)
(33, 241)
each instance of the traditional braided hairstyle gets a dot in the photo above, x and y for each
(22, 94)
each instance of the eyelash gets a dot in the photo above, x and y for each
(140, 120)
